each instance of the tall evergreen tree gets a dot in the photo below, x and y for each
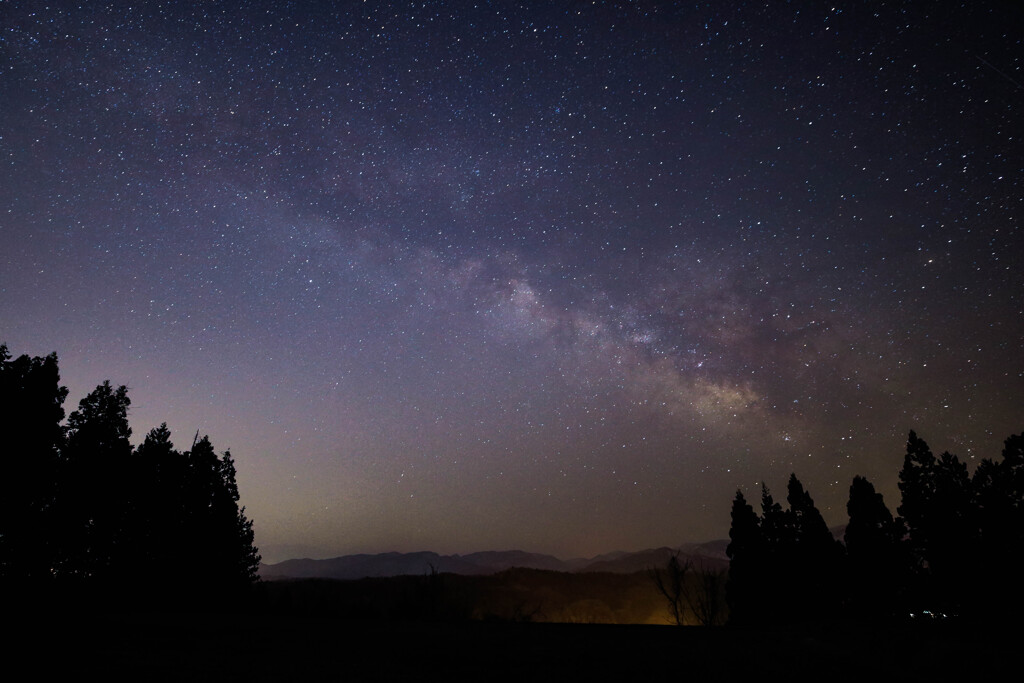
(84, 513)
(242, 557)
(192, 516)
(220, 532)
(809, 527)
(778, 552)
(941, 521)
(998, 489)
(161, 510)
(814, 558)
(745, 551)
(919, 489)
(774, 523)
(96, 494)
(789, 561)
(31, 410)
(877, 562)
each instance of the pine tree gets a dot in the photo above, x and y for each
(218, 534)
(774, 531)
(919, 488)
(814, 560)
(877, 561)
(941, 521)
(31, 410)
(998, 489)
(777, 552)
(191, 517)
(95, 490)
(746, 555)
(244, 558)
(89, 517)
(161, 511)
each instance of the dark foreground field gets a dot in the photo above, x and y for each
(220, 648)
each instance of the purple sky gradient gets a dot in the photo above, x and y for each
(556, 278)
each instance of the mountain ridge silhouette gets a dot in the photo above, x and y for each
(709, 555)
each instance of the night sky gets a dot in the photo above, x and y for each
(553, 276)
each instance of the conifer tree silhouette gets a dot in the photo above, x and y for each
(783, 564)
(942, 524)
(746, 564)
(83, 513)
(998, 489)
(31, 410)
(95, 490)
(814, 561)
(877, 561)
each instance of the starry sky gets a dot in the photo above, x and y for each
(562, 276)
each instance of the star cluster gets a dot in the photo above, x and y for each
(560, 277)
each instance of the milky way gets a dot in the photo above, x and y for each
(461, 277)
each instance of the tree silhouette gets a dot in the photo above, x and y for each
(942, 523)
(685, 586)
(774, 523)
(998, 489)
(31, 410)
(671, 582)
(814, 558)
(783, 565)
(95, 489)
(84, 513)
(775, 583)
(746, 564)
(919, 489)
(878, 564)
(954, 551)
(218, 530)
(191, 511)
(705, 600)
(162, 508)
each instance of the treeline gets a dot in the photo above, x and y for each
(951, 552)
(84, 515)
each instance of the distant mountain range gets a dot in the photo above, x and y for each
(709, 555)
